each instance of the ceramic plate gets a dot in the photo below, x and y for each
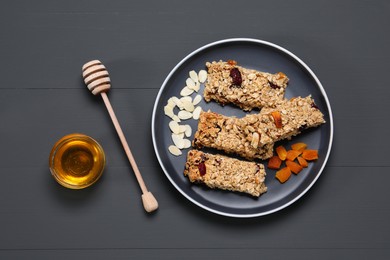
(263, 56)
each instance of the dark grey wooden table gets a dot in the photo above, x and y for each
(43, 45)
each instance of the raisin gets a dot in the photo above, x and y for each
(235, 74)
(313, 105)
(202, 168)
(272, 85)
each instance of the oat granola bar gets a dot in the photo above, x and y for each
(222, 172)
(253, 136)
(256, 89)
(227, 134)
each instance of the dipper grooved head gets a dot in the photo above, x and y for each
(96, 77)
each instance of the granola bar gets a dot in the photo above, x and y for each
(256, 89)
(253, 136)
(229, 135)
(222, 172)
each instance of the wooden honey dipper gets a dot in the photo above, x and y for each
(98, 81)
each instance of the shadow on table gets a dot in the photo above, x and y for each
(70, 197)
(239, 223)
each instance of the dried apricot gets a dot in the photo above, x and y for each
(299, 146)
(292, 155)
(310, 155)
(282, 153)
(294, 167)
(302, 162)
(232, 62)
(277, 119)
(274, 162)
(283, 174)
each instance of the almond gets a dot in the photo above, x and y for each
(174, 150)
(168, 110)
(178, 140)
(187, 98)
(194, 76)
(196, 112)
(202, 76)
(174, 126)
(190, 83)
(171, 103)
(184, 115)
(188, 130)
(182, 129)
(186, 91)
(188, 106)
(186, 143)
(197, 99)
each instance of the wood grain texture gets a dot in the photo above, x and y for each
(221, 253)
(344, 219)
(43, 97)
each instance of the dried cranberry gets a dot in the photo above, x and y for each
(202, 168)
(235, 74)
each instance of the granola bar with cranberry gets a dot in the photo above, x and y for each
(247, 88)
(222, 172)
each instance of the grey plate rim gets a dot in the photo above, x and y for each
(258, 42)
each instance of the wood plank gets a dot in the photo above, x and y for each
(194, 254)
(35, 209)
(50, 114)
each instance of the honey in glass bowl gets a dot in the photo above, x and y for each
(76, 161)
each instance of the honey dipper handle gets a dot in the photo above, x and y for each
(150, 203)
